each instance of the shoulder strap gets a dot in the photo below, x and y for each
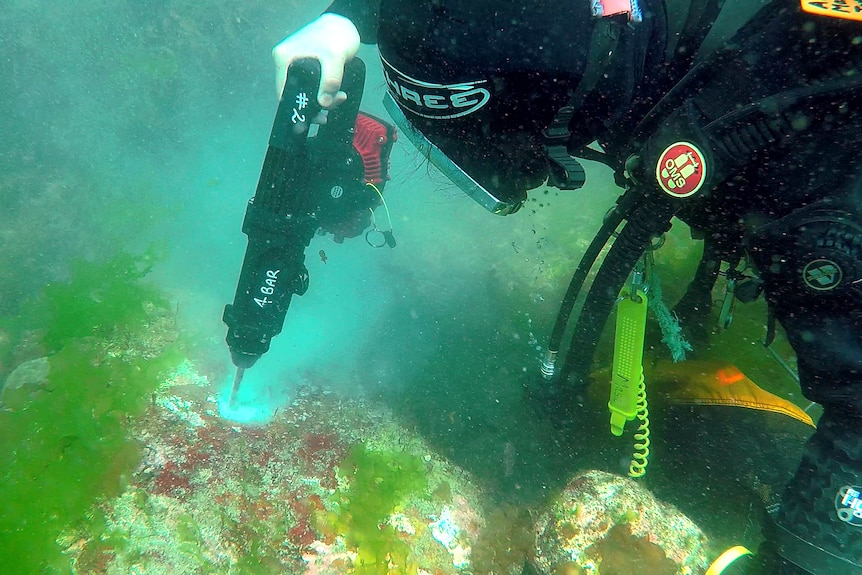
(699, 21)
(566, 172)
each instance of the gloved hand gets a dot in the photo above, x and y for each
(332, 40)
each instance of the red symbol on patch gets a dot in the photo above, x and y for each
(681, 170)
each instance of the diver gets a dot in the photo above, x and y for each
(755, 145)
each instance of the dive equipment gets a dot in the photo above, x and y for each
(648, 220)
(694, 308)
(373, 140)
(824, 259)
(728, 557)
(387, 235)
(701, 17)
(312, 177)
(833, 9)
(734, 141)
(728, 303)
(606, 8)
(727, 142)
(611, 221)
(816, 525)
(237, 380)
(279, 223)
(628, 390)
(628, 359)
(640, 452)
(671, 330)
(565, 172)
(446, 165)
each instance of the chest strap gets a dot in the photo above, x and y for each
(566, 173)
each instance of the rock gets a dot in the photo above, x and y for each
(605, 521)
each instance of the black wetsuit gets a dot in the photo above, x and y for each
(790, 192)
(523, 54)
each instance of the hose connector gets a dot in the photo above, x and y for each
(549, 364)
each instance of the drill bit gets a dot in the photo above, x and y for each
(240, 371)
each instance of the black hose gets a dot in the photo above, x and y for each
(579, 277)
(609, 226)
(647, 222)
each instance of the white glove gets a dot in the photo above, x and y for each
(332, 40)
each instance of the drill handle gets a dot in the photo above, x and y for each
(282, 217)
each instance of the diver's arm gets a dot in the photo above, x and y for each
(363, 14)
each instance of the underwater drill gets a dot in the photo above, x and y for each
(313, 176)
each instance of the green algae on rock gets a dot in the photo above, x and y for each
(65, 441)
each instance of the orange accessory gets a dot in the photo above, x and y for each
(714, 383)
(729, 375)
(845, 9)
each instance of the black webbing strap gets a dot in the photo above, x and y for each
(567, 173)
(701, 17)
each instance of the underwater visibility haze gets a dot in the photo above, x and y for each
(387, 429)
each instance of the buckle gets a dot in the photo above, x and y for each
(566, 173)
(558, 131)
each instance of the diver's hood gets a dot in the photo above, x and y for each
(476, 106)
